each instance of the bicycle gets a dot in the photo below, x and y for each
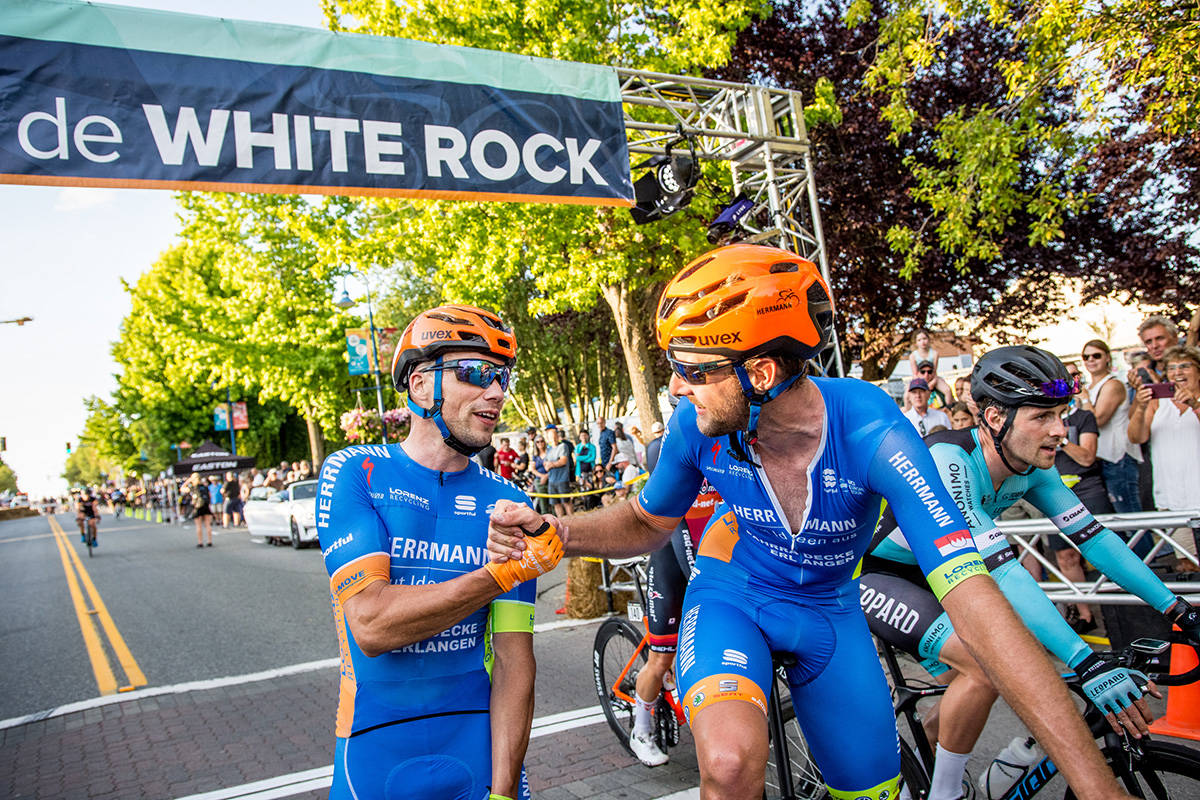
(1147, 768)
(89, 524)
(618, 653)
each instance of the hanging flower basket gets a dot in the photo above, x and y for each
(362, 424)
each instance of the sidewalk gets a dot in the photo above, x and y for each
(273, 737)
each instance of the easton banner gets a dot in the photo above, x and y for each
(94, 95)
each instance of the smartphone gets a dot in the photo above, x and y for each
(1162, 389)
(1145, 375)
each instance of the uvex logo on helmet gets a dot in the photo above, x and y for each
(724, 338)
(430, 336)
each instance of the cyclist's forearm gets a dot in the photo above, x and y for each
(513, 677)
(617, 531)
(384, 617)
(1019, 668)
(1113, 557)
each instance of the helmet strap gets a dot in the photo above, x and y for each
(756, 400)
(435, 414)
(998, 442)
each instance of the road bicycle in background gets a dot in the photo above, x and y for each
(618, 654)
(1146, 767)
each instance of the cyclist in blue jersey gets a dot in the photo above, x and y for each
(1022, 393)
(804, 464)
(436, 644)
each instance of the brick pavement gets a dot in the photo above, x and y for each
(176, 745)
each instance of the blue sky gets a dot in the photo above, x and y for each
(66, 251)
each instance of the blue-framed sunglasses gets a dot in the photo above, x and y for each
(476, 372)
(698, 374)
(1061, 389)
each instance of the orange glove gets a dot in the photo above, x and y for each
(543, 552)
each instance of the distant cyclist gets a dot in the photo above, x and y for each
(422, 620)
(88, 513)
(1021, 393)
(804, 464)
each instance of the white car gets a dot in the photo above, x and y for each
(20, 501)
(283, 516)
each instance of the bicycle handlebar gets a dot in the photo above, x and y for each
(1147, 661)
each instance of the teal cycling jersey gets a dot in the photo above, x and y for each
(383, 517)
(867, 452)
(961, 464)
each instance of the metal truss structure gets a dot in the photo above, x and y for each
(759, 132)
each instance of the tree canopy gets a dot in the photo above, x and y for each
(1075, 75)
(869, 182)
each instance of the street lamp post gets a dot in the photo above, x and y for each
(345, 302)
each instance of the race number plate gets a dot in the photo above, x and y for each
(635, 612)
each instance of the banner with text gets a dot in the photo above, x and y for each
(94, 95)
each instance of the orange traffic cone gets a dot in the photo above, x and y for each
(1183, 702)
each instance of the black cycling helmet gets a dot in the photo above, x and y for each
(1021, 375)
(1015, 376)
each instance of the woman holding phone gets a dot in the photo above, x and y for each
(1168, 416)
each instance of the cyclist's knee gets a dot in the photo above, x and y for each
(955, 653)
(731, 747)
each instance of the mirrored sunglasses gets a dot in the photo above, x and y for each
(1091, 356)
(476, 372)
(698, 374)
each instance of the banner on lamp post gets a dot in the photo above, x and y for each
(241, 417)
(358, 348)
(221, 417)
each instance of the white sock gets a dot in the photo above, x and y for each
(641, 714)
(948, 769)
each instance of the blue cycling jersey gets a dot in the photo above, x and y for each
(961, 464)
(866, 454)
(764, 584)
(413, 721)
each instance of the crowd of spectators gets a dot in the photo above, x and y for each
(599, 467)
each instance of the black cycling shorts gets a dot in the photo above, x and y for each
(902, 610)
(667, 579)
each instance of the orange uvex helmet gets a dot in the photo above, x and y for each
(746, 300)
(448, 328)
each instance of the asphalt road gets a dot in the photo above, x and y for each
(240, 607)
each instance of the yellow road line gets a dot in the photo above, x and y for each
(105, 679)
(106, 682)
(132, 671)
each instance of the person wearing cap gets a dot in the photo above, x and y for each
(923, 418)
(939, 391)
(654, 445)
(805, 465)
(437, 675)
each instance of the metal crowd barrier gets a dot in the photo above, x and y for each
(1157, 525)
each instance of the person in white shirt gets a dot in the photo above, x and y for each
(923, 418)
(1108, 399)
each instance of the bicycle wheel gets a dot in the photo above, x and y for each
(613, 654)
(91, 539)
(807, 783)
(806, 777)
(1160, 771)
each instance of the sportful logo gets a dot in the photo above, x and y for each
(735, 657)
(464, 504)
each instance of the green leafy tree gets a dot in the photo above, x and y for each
(1119, 63)
(574, 256)
(8, 478)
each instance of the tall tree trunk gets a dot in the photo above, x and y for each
(637, 357)
(562, 377)
(316, 441)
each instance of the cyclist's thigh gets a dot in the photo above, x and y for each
(444, 757)
(845, 709)
(665, 587)
(902, 611)
(722, 653)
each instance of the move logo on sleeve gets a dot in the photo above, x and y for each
(951, 543)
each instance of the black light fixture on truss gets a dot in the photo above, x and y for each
(668, 185)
